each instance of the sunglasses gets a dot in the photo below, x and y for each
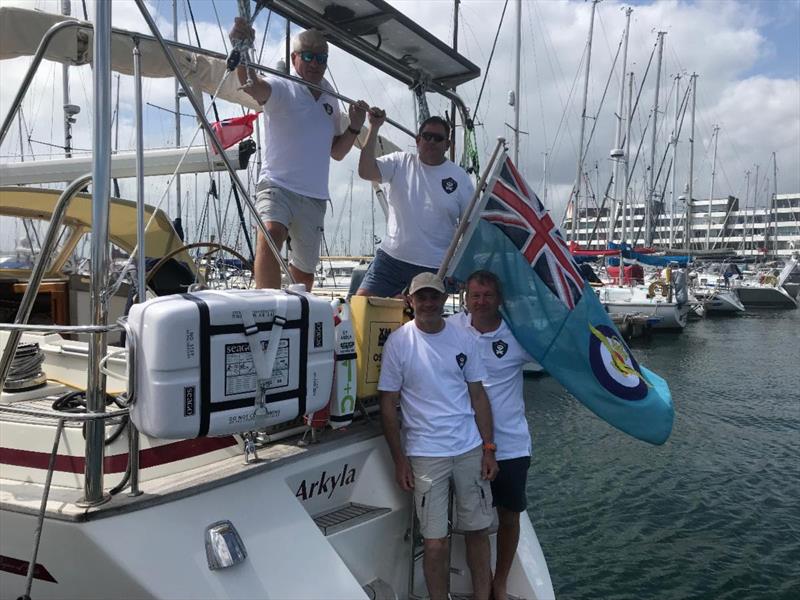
(432, 137)
(321, 57)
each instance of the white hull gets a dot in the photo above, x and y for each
(765, 296)
(152, 547)
(661, 314)
(719, 301)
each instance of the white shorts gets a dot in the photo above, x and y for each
(303, 216)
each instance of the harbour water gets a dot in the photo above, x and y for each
(715, 512)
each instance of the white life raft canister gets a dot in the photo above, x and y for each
(343, 400)
(206, 363)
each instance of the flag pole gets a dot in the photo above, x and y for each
(462, 226)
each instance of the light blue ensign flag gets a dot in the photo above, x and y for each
(554, 313)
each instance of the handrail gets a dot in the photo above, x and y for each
(26, 82)
(52, 414)
(35, 281)
(22, 327)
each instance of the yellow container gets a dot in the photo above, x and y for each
(373, 320)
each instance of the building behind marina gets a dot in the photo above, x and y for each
(735, 229)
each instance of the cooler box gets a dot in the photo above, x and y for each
(373, 320)
(195, 371)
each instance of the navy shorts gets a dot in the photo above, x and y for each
(387, 276)
(508, 488)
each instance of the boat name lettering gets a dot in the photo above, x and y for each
(326, 484)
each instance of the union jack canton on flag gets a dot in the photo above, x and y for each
(553, 312)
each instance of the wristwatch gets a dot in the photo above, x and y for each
(491, 446)
(353, 130)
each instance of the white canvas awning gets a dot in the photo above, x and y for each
(21, 31)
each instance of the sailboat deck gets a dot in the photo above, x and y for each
(25, 497)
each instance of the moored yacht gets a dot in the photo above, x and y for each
(253, 500)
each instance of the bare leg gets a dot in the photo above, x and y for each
(302, 277)
(434, 565)
(479, 561)
(507, 540)
(267, 269)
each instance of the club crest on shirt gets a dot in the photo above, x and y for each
(328, 108)
(461, 359)
(449, 185)
(500, 348)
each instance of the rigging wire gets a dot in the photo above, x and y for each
(489, 63)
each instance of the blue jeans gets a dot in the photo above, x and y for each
(388, 276)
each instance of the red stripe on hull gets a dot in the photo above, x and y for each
(150, 457)
(20, 567)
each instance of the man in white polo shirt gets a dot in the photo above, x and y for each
(428, 195)
(431, 368)
(302, 131)
(503, 358)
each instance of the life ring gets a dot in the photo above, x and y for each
(660, 285)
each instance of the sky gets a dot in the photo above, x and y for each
(746, 55)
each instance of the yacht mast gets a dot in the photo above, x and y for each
(101, 190)
(690, 198)
(68, 109)
(674, 143)
(746, 203)
(516, 80)
(626, 163)
(651, 197)
(452, 102)
(715, 135)
(578, 176)
(617, 154)
(178, 191)
(774, 210)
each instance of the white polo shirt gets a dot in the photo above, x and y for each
(503, 358)
(298, 135)
(425, 205)
(431, 371)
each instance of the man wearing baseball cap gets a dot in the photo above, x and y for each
(432, 369)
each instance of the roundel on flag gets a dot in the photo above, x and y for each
(613, 365)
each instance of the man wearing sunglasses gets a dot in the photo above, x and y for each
(428, 194)
(302, 132)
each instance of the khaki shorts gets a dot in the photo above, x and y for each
(473, 495)
(303, 216)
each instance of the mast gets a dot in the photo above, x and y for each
(690, 198)
(755, 202)
(626, 162)
(674, 141)
(774, 211)
(101, 184)
(746, 203)
(651, 198)
(518, 37)
(68, 114)
(452, 102)
(178, 191)
(711, 192)
(575, 210)
(617, 154)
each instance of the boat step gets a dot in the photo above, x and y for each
(470, 596)
(347, 516)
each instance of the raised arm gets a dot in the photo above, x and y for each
(342, 143)
(259, 89)
(367, 165)
(391, 430)
(483, 418)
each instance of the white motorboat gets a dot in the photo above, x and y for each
(789, 277)
(91, 508)
(718, 300)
